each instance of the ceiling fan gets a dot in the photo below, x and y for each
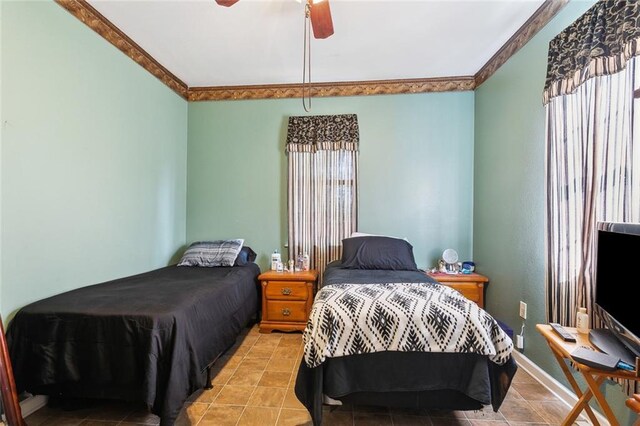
(319, 13)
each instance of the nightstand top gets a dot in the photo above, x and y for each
(457, 278)
(271, 275)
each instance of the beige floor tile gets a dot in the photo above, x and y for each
(267, 397)
(513, 394)
(527, 424)
(242, 378)
(62, 421)
(290, 417)
(192, 412)
(534, 392)
(234, 395)
(523, 377)
(142, 417)
(222, 415)
(446, 414)
(253, 364)
(260, 352)
(285, 352)
(227, 362)
(281, 364)
(259, 416)
(276, 379)
(205, 395)
(447, 421)
(291, 401)
(371, 419)
(519, 411)
(485, 414)
(405, 420)
(552, 412)
(337, 418)
(222, 377)
(268, 340)
(370, 409)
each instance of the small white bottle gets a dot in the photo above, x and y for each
(275, 258)
(305, 262)
(582, 321)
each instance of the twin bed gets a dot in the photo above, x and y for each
(149, 337)
(383, 333)
(380, 333)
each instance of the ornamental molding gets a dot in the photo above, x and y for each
(86, 13)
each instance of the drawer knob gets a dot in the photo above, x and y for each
(286, 291)
(286, 312)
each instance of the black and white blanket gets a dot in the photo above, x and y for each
(349, 319)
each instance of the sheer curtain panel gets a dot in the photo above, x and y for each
(593, 159)
(322, 185)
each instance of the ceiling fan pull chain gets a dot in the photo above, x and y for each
(306, 60)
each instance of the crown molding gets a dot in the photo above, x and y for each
(86, 13)
(321, 90)
(535, 23)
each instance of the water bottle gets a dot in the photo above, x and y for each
(582, 321)
(275, 259)
(299, 262)
(305, 262)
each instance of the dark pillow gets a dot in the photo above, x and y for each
(378, 253)
(212, 253)
(245, 256)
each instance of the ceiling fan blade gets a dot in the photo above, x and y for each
(226, 3)
(321, 21)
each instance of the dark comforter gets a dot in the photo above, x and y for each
(147, 337)
(463, 381)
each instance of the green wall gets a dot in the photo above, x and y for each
(93, 159)
(415, 169)
(509, 191)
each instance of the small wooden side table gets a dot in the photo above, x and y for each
(562, 351)
(470, 285)
(286, 300)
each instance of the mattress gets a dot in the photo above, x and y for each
(148, 337)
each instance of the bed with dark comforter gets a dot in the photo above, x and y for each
(342, 360)
(148, 337)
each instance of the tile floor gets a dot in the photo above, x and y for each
(253, 385)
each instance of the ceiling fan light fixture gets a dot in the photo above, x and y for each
(321, 21)
(226, 3)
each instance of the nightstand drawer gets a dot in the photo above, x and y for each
(469, 290)
(280, 310)
(286, 290)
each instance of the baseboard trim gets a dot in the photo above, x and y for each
(565, 395)
(33, 404)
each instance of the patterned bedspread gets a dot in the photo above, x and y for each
(348, 319)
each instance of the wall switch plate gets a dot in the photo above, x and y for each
(519, 341)
(523, 310)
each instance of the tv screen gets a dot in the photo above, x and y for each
(618, 253)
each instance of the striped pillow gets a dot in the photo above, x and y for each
(212, 253)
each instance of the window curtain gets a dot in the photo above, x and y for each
(593, 157)
(322, 185)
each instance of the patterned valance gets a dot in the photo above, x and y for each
(600, 42)
(323, 132)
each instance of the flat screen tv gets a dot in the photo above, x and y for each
(616, 286)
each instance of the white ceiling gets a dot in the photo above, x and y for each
(260, 41)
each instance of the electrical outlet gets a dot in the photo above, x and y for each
(523, 310)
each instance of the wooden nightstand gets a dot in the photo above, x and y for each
(286, 300)
(470, 285)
